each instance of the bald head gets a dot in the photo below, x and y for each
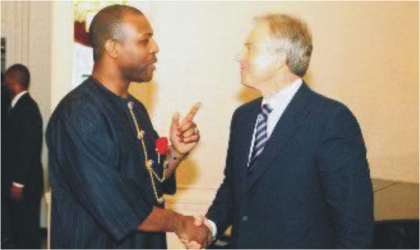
(107, 24)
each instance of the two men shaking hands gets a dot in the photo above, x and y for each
(296, 173)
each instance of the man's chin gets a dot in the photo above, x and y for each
(142, 79)
(246, 83)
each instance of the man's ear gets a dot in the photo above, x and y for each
(111, 48)
(281, 59)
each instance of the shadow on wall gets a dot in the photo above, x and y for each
(187, 173)
(308, 77)
(247, 94)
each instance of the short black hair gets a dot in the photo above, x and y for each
(106, 25)
(21, 73)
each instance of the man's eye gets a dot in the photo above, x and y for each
(144, 42)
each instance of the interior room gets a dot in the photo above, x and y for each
(365, 55)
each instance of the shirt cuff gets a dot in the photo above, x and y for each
(18, 185)
(214, 228)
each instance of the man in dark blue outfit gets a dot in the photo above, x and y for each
(107, 177)
(296, 173)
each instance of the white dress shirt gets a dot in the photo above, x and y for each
(278, 103)
(12, 105)
(16, 98)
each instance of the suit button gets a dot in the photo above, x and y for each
(244, 218)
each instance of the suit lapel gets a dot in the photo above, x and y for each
(12, 114)
(20, 103)
(245, 129)
(288, 124)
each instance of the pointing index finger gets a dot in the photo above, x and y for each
(192, 112)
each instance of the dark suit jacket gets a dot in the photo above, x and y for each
(311, 187)
(5, 103)
(101, 189)
(21, 146)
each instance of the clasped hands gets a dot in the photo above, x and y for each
(193, 233)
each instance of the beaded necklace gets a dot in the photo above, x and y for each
(148, 162)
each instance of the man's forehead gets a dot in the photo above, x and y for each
(137, 24)
(9, 74)
(259, 33)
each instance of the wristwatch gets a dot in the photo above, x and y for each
(175, 156)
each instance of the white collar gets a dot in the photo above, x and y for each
(17, 97)
(277, 100)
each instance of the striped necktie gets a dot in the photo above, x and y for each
(261, 136)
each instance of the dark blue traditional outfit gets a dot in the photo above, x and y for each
(101, 188)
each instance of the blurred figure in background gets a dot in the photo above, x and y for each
(21, 173)
(5, 101)
(6, 228)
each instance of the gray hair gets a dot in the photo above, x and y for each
(293, 36)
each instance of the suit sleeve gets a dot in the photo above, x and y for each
(88, 159)
(30, 144)
(220, 212)
(345, 180)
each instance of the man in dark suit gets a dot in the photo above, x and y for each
(296, 174)
(108, 173)
(22, 175)
(6, 226)
(5, 101)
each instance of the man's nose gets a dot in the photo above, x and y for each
(154, 48)
(239, 56)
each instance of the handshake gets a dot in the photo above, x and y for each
(194, 232)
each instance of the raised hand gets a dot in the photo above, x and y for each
(184, 135)
(188, 231)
